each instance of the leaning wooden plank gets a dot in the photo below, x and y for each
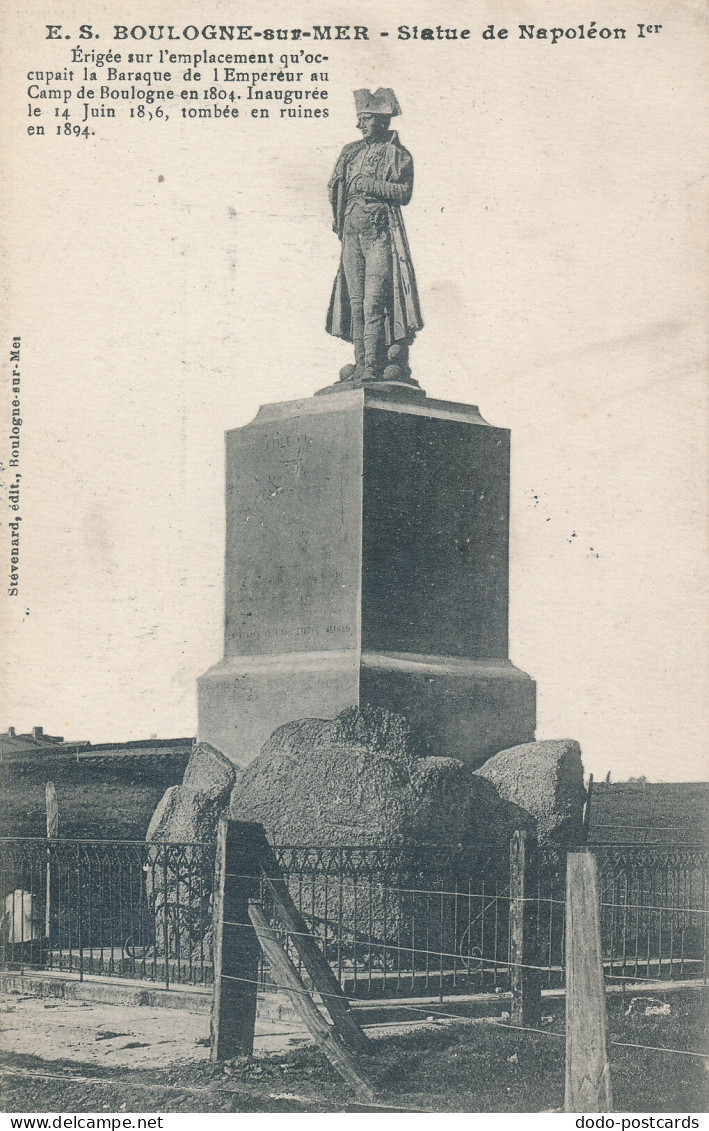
(588, 1084)
(286, 975)
(317, 966)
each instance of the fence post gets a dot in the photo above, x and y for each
(79, 910)
(587, 809)
(52, 807)
(588, 1084)
(165, 918)
(524, 979)
(236, 947)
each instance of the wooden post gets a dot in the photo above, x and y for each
(525, 980)
(244, 859)
(588, 1083)
(587, 809)
(52, 807)
(285, 973)
(236, 948)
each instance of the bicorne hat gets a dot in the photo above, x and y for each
(383, 101)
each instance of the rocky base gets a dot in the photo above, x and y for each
(360, 779)
(547, 778)
(188, 814)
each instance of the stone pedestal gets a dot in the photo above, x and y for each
(367, 562)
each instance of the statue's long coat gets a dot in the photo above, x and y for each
(403, 317)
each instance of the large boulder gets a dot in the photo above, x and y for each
(184, 816)
(176, 881)
(547, 779)
(359, 779)
(191, 811)
(209, 772)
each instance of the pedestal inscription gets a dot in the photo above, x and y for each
(294, 498)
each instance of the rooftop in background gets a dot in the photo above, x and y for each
(36, 737)
(638, 812)
(107, 789)
(19, 746)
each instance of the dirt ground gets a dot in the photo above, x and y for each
(95, 1034)
(121, 1036)
(79, 1057)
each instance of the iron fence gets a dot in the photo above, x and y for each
(116, 908)
(391, 921)
(671, 836)
(438, 920)
(654, 908)
(401, 921)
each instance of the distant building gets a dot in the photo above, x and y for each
(10, 741)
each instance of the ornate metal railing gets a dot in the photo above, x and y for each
(654, 910)
(117, 908)
(391, 921)
(396, 921)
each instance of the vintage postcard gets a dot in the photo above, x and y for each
(353, 548)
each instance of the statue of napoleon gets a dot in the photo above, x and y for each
(374, 300)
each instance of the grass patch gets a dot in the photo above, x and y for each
(466, 1066)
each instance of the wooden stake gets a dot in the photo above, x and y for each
(317, 966)
(525, 981)
(588, 1083)
(287, 976)
(236, 950)
(52, 807)
(587, 809)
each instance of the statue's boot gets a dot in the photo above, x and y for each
(358, 343)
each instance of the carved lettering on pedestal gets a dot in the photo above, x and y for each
(297, 631)
(293, 536)
(280, 442)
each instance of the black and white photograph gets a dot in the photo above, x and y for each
(353, 501)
